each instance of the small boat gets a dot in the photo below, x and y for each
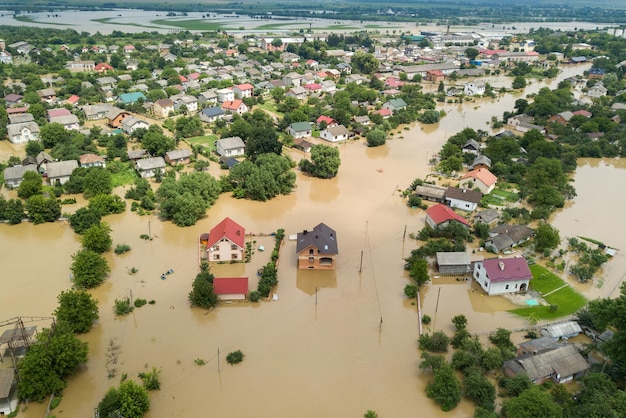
(170, 271)
(163, 276)
(380, 170)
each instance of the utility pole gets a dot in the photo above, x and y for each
(361, 264)
(218, 361)
(131, 296)
(316, 295)
(149, 230)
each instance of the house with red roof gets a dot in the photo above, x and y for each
(231, 288)
(103, 67)
(72, 100)
(385, 113)
(243, 90)
(234, 106)
(330, 122)
(502, 275)
(481, 179)
(226, 242)
(441, 215)
(313, 88)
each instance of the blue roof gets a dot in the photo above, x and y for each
(213, 111)
(579, 59)
(132, 97)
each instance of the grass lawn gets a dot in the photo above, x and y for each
(499, 196)
(567, 299)
(123, 176)
(206, 140)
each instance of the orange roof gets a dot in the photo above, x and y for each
(227, 229)
(246, 86)
(232, 104)
(482, 174)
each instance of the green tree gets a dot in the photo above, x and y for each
(83, 219)
(364, 63)
(97, 180)
(324, 162)
(130, 400)
(471, 53)
(418, 269)
(42, 209)
(106, 204)
(546, 237)
(370, 414)
(52, 134)
(33, 148)
(437, 342)
(478, 388)
(31, 185)
(202, 293)
(77, 310)
(445, 389)
(89, 269)
(186, 200)
(376, 137)
(532, 403)
(501, 338)
(14, 211)
(519, 82)
(97, 238)
(56, 354)
(460, 322)
(156, 142)
(429, 116)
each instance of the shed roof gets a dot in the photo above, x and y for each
(150, 163)
(232, 142)
(562, 329)
(61, 168)
(7, 377)
(454, 258)
(230, 285)
(564, 361)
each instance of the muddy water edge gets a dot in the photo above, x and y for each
(334, 344)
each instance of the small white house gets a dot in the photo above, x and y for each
(474, 89)
(230, 147)
(335, 133)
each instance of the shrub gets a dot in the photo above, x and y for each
(140, 302)
(437, 342)
(121, 249)
(410, 290)
(426, 319)
(122, 307)
(151, 379)
(199, 362)
(255, 296)
(234, 357)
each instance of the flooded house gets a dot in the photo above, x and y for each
(226, 242)
(442, 215)
(317, 249)
(497, 276)
(453, 263)
(504, 237)
(563, 330)
(561, 365)
(231, 288)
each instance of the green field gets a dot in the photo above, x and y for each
(567, 299)
(27, 19)
(112, 20)
(123, 174)
(206, 140)
(498, 197)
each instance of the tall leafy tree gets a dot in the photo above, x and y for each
(325, 162)
(97, 238)
(89, 269)
(77, 310)
(31, 185)
(43, 209)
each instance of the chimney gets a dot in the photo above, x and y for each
(305, 232)
(501, 265)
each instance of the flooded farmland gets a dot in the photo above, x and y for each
(334, 343)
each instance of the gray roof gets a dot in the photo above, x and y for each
(21, 118)
(430, 190)
(43, 157)
(486, 215)
(7, 377)
(564, 361)
(178, 154)
(537, 345)
(231, 142)
(150, 163)
(65, 119)
(500, 242)
(16, 128)
(90, 110)
(517, 233)
(60, 168)
(321, 237)
(17, 172)
(114, 112)
(453, 258)
(213, 111)
(471, 143)
(338, 130)
(463, 194)
(135, 154)
(482, 159)
(562, 329)
(300, 126)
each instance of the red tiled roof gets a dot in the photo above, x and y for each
(72, 99)
(507, 269)
(327, 119)
(103, 65)
(313, 86)
(232, 104)
(229, 229)
(385, 112)
(53, 113)
(14, 110)
(582, 112)
(442, 213)
(90, 158)
(193, 76)
(230, 285)
(182, 78)
(483, 175)
(246, 86)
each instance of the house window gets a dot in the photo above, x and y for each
(506, 287)
(216, 256)
(311, 251)
(516, 285)
(234, 256)
(233, 247)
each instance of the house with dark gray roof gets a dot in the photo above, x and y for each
(461, 198)
(431, 192)
(487, 216)
(317, 249)
(178, 156)
(503, 237)
(211, 114)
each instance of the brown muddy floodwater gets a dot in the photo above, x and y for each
(332, 358)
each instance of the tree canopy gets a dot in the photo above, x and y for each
(186, 200)
(324, 162)
(77, 310)
(89, 269)
(268, 176)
